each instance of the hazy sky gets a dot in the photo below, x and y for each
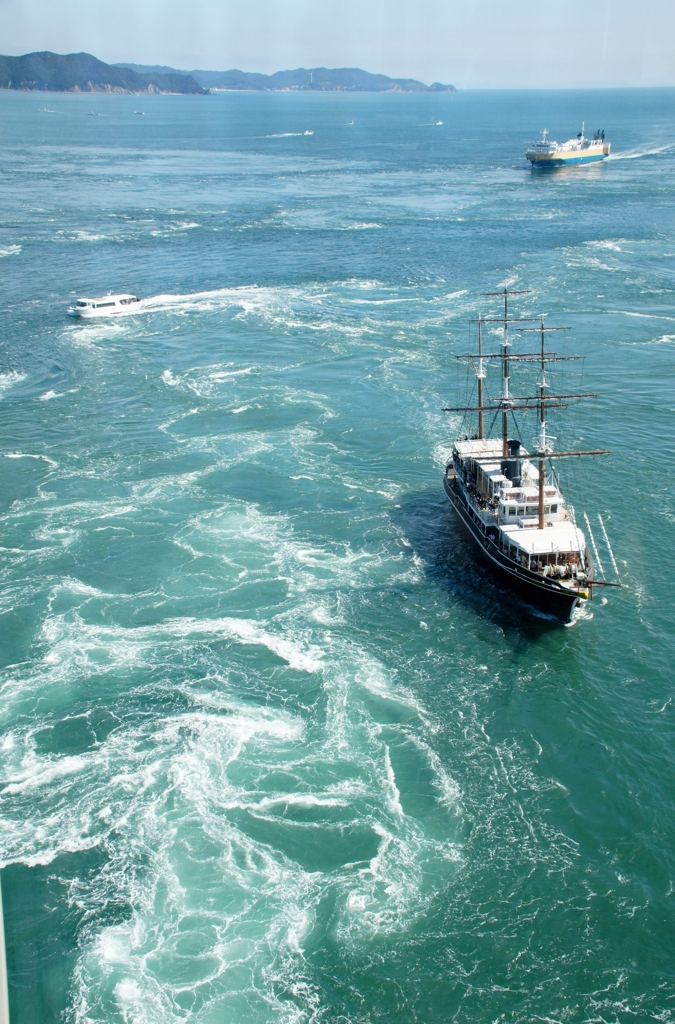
(469, 43)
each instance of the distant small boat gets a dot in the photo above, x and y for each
(106, 305)
(351, 122)
(439, 122)
(139, 112)
(308, 131)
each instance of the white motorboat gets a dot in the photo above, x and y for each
(106, 305)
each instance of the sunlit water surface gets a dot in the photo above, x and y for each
(274, 748)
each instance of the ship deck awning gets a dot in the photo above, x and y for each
(485, 448)
(480, 448)
(558, 538)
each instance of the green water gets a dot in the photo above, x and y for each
(274, 747)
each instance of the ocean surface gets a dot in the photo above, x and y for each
(275, 749)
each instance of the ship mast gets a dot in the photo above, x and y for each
(542, 443)
(505, 400)
(543, 440)
(506, 344)
(480, 376)
(508, 402)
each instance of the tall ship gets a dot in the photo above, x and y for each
(507, 497)
(580, 150)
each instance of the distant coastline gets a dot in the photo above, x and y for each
(81, 72)
(300, 80)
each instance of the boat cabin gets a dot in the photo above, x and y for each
(516, 507)
(106, 302)
(554, 551)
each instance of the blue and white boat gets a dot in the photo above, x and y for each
(580, 150)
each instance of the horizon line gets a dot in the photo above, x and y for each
(458, 87)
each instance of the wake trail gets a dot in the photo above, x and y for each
(637, 154)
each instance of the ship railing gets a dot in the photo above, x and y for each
(485, 509)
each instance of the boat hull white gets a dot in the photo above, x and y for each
(106, 306)
(98, 314)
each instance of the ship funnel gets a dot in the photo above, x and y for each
(512, 467)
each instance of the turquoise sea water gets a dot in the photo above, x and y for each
(274, 748)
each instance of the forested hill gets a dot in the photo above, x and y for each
(80, 72)
(300, 80)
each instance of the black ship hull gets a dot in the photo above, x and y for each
(544, 594)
